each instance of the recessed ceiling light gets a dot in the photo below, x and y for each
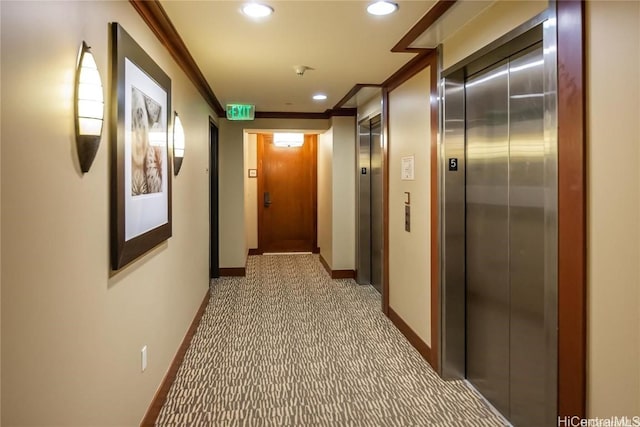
(320, 97)
(382, 7)
(257, 10)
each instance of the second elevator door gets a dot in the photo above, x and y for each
(505, 237)
(370, 232)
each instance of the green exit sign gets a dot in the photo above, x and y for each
(240, 111)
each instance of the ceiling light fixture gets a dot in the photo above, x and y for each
(288, 139)
(382, 7)
(257, 10)
(320, 97)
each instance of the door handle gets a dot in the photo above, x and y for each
(267, 199)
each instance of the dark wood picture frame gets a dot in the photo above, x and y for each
(139, 194)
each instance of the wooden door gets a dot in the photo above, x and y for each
(287, 194)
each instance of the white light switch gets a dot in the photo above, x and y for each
(143, 353)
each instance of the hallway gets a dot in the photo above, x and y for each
(286, 345)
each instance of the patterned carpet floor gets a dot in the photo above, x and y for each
(288, 346)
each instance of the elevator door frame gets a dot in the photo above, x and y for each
(369, 252)
(363, 267)
(452, 196)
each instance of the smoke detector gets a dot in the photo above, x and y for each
(300, 69)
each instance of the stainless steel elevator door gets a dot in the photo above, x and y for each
(487, 236)
(370, 225)
(364, 204)
(376, 204)
(526, 240)
(505, 226)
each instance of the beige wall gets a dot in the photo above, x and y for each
(409, 252)
(0, 241)
(325, 195)
(495, 21)
(72, 334)
(337, 194)
(233, 251)
(613, 70)
(250, 190)
(231, 201)
(344, 193)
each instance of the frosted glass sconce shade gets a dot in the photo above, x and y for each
(89, 108)
(178, 144)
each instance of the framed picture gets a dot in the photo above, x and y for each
(141, 171)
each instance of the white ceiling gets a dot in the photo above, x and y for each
(252, 61)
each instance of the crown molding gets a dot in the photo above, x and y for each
(158, 21)
(421, 26)
(334, 112)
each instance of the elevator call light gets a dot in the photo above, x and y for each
(240, 111)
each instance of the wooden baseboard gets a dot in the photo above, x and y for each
(343, 274)
(316, 250)
(233, 272)
(411, 336)
(255, 251)
(337, 274)
(161, 395)
(325, 264)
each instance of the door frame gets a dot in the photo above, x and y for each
(454, 185)
(214, 190)
(260, 192)
(569, 31)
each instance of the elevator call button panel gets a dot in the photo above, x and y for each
(407, 218)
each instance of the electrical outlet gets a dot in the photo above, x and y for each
(143, 353)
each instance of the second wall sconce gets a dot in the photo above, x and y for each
(89, 108)
(178, 144)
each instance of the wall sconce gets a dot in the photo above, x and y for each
(89, 108)
(178, 144)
